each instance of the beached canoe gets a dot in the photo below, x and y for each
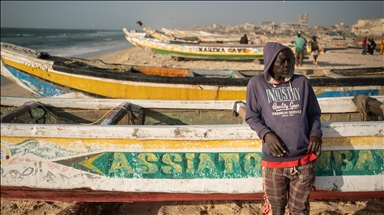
(113, 150)
(50, 76)
(202, 36)
(161, 43)
(172, 35)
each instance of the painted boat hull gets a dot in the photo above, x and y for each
(53, 77)
(163, 44)
(173, 162)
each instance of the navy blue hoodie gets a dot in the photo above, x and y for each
(289, 109)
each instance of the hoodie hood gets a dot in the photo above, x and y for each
(270, 52)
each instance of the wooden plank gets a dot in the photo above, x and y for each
(115, 116)
(18, 111)
(89, 195)
(327, 105)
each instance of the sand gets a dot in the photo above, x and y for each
(318, 207)
(351, 58)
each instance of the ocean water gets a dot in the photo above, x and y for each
(65, 42)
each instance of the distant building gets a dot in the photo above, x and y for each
(249, 26)
(231, 28)
(340, 25)
(368, 26)
(303, 20)
(289, 25)
(266, 25)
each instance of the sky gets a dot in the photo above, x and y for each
(115, 15)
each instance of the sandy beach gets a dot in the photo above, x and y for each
(350, 58)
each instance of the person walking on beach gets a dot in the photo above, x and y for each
(282, 108)
(381, 47)
(299, 49)
(372, 46)
(369, 46)
(244, 39)
(364, 45)
(316, 47)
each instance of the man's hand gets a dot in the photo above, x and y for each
(274, 144)
(314, 145)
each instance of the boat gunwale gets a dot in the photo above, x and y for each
(86, 194)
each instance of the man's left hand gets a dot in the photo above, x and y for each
(314, 145)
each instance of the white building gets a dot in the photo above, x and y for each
(266, 25)
(304, 20)
(369, 26)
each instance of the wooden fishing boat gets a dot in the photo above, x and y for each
(49, 76)
(168, 35)
(162, 43)
(202, 36)
(113, 150)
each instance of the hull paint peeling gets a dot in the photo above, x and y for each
(56, 77)
(194, 160)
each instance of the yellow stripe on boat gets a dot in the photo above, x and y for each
(132, 90)
(374, 142)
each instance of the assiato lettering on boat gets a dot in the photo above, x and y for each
(216, 165)
(192, 165)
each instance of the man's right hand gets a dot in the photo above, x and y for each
(274, 144)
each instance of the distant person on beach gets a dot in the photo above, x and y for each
(381, 47)
(316, 48)
(244, 39)
(364, 45)
(258, 40)
(299, 48)
(369, 46)
(372, 46)
(282, 108)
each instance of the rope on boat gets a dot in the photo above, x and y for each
(110, 110)
(92, 123)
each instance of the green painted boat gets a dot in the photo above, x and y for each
(165, 44)
(116, 150)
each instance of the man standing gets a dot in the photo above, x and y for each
(244, 39)
(299, 48)
(283, 110)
